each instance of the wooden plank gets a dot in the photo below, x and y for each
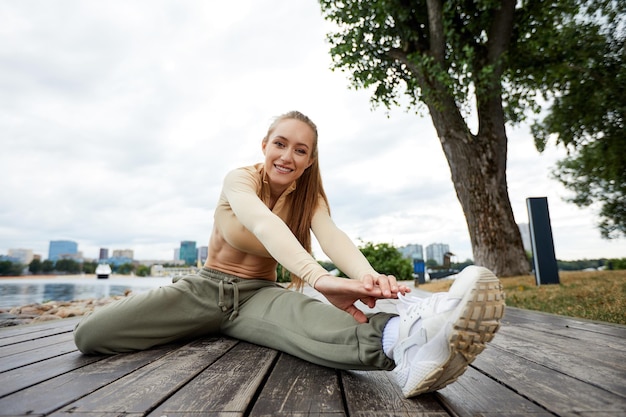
(521, 316)
(299, 388)
(557, 392)
(594, 365)
(62, 347)
(579, 334)
(57, 392)
(475, 394)
(26, 376)
(145, 388)
(376, 394)
(18, 334)
(51, 340)
(226, 388)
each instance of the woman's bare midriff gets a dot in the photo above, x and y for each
(225, 258)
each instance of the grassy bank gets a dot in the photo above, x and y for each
(594, 295)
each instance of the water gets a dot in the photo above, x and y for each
(22, 291)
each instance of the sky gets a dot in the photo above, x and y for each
(119, 121)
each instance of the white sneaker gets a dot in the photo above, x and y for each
(442, 334)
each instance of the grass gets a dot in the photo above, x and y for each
(593, 295)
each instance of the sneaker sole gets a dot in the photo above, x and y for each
(476, 325)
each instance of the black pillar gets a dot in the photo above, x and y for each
(546, 269)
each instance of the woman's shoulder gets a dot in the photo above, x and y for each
(244, 177)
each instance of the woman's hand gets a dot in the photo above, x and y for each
(343, 293)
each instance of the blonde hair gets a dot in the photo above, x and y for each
(309, 189)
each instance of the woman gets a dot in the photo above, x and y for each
(265, 215)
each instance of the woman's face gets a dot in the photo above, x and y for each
(288, 152)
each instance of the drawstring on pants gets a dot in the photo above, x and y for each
(221, 302)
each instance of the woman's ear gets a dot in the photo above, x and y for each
(263, 145)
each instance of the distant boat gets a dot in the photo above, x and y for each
(103, 271)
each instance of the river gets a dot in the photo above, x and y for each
(28, 290)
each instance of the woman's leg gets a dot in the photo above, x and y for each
(185, 309)
(308, 328)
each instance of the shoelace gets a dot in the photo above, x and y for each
(411, 304)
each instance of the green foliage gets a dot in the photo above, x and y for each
(47, 266)
(69, 266)
(142, 271)
(329, 266)
(8, 268)
(431, 263)
(588, 117)
(386, 259)
(89, 267)
(125, 269)
(35, 266)
(614, 264)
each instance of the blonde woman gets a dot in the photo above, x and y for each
(265, 215)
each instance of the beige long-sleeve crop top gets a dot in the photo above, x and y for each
(246, 223)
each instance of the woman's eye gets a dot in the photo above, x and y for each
(301, 151)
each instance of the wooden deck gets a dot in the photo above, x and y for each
(537, 365)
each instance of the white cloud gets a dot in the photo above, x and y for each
(119, 121)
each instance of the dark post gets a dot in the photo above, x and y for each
(420, 270)
(546, 269)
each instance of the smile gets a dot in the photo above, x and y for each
(283, 169)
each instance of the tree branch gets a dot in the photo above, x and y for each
(435, 24)
(499, 35)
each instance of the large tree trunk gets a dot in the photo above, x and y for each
(478, 162)
(478, 167)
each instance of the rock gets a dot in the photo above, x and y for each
(53, 310)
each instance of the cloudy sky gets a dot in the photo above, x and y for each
(119, 120)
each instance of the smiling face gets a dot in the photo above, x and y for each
(289, 150)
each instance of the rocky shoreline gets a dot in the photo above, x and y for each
(52, 310)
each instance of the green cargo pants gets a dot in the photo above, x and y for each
(253, 310)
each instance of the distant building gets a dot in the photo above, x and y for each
(412, 251)
(203, 253)
(24, 256)
(188, 252)
(437, 252)
(62, 249)
(104, 254)
(177, 254)
(124, 253)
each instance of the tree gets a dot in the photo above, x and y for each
(387, 260)
(47, 266)
(452, 56)
(34, 267)
(69, 266)
(9, 268)
(125, 269)
(142, 271)
(588, 117)
(89, 267)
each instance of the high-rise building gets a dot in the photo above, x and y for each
(188, 252)
(104, 254)
(412, 251)
(436, 251)
(203, 253)
(59, 249)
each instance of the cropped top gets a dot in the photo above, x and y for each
(247, 224)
